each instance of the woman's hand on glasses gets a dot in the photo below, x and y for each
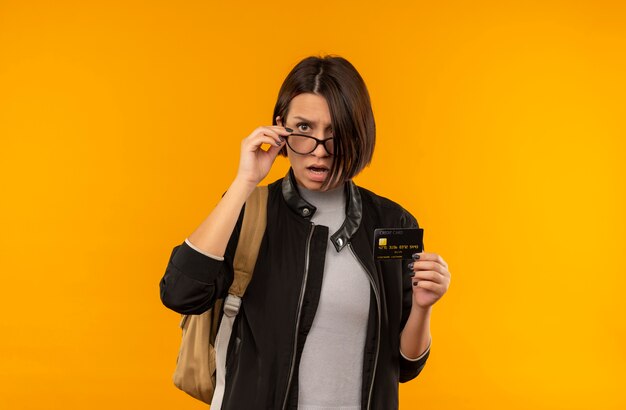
(255, 162)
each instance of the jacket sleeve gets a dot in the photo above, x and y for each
(409, 368)
(193, 280)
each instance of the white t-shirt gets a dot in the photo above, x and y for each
(330, 373)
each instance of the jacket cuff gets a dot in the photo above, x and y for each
(195, 264)
(420, 357)
(410, 368)
(195, 248)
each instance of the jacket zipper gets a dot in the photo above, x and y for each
(295, 338)
(371, 278)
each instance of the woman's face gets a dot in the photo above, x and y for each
(309, 114)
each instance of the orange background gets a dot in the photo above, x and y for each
(500, 127)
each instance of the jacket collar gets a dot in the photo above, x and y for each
(306, 210)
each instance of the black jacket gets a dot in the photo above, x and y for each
(280, 302)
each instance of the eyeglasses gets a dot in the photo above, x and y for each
(305, 144)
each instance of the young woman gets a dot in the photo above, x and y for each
(322, 324)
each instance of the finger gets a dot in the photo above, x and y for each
(255, 141)
(427, 265)
(279, 130)
(428, 275)
(430, 256)
(428, 285)
(276, 135)
(282, 130)
(268, 132)
(273, 151)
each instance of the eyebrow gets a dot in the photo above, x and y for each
(307, 120)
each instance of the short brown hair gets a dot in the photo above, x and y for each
(354, 129)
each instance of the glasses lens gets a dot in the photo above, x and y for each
(330, 145)
(303, 144)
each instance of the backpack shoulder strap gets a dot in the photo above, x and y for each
(252, 230)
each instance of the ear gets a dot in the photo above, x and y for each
(279, 121)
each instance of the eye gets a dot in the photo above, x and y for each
(303, 126)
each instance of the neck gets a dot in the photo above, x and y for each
(334, 197)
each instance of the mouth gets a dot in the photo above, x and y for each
(318, 169)
(317, 172)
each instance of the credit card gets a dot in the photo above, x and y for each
(397, 243)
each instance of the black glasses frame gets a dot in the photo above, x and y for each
(317, 142)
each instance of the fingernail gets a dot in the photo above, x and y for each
(416, 256)
(412, 274)
(289, 129)
(281, 139)
(415, 283)
(410, 265)
(278, 143)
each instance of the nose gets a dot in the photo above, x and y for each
(320, 151)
